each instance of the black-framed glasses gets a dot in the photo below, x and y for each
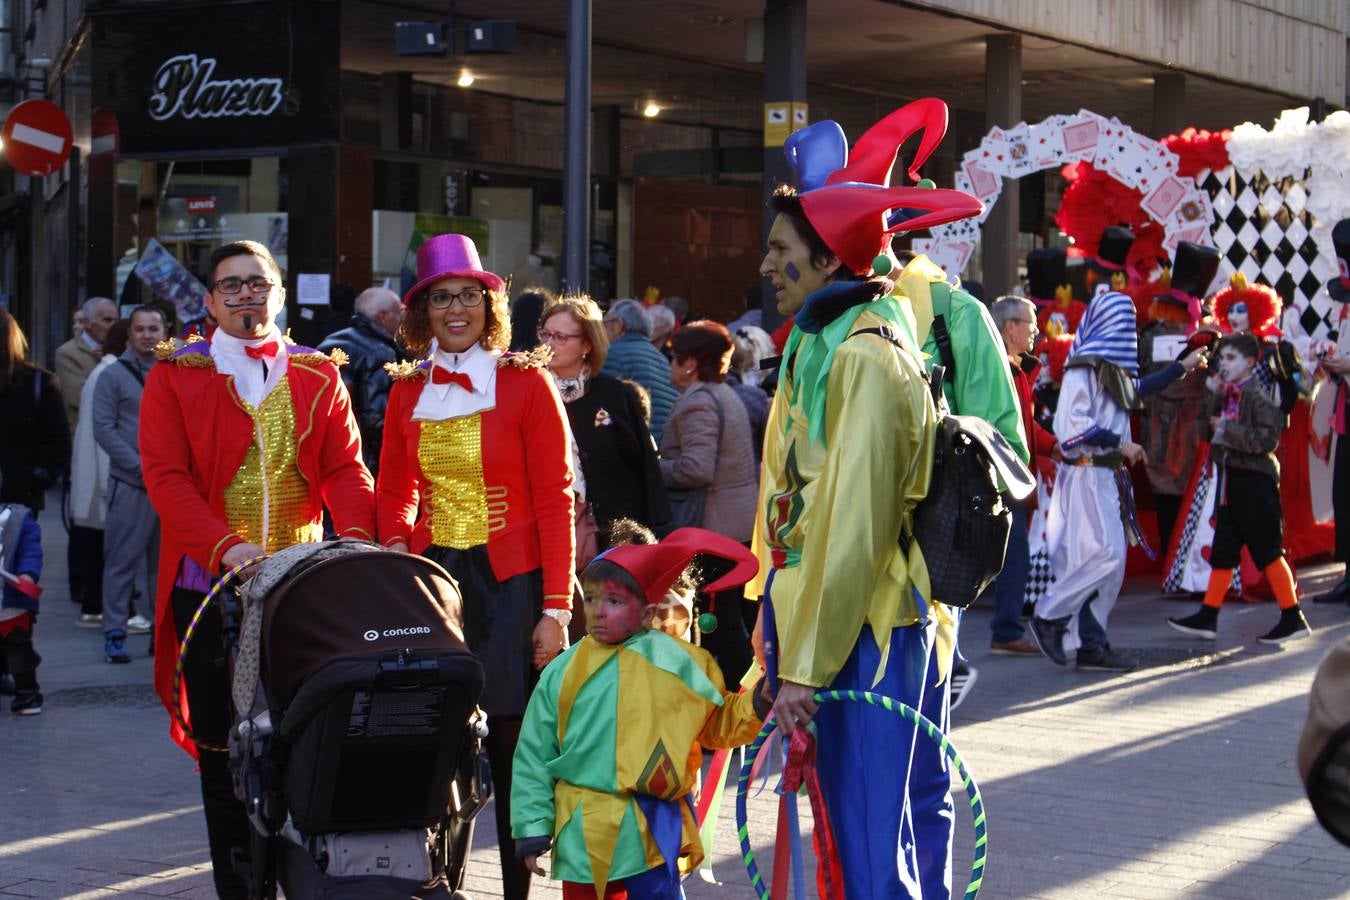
(258, 284)
(549, 337)
(468, 298)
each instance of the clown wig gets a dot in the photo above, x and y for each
(1263, 305)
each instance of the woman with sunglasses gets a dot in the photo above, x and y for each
(474, 474)
(614, 445)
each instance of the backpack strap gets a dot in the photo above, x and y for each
(941, 293)
(933, 378)
(135, 372)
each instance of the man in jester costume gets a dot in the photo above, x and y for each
(613, 803)
(848, 455)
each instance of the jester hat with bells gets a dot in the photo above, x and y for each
(656, 567)
(849, 200)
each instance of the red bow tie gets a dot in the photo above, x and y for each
(440, 375)
(268, 349)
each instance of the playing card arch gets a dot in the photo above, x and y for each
(1176, 203)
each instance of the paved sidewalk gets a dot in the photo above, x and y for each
(1177, 780)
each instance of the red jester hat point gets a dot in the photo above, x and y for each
(874, 154)
(657, 566)
(851, 218)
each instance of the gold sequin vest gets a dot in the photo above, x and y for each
(463, 509)
(267, 503)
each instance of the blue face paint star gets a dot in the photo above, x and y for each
(791, 271)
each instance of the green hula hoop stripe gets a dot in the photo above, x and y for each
(890, 705)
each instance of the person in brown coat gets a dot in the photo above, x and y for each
(708, 444)
(77, 357)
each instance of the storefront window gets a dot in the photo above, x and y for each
(192, 207)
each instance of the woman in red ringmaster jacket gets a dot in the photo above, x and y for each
(475, 474)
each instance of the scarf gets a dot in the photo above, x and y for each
(572, 387)
(1109, 331)
(825, 320)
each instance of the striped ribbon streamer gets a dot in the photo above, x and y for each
(893, 706)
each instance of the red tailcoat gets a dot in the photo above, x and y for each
(525, 451)
(195, 432)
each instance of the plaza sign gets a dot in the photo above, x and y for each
(176, 83)
(183, 87)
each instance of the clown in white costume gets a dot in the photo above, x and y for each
(1092, 507)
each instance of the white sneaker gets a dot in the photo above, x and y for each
(90, 620)
(139, 624)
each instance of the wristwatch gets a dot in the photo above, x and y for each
(562, 616)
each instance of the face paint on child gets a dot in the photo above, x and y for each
(1233, 366)
(613, 612)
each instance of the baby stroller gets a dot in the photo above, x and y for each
(357, 745)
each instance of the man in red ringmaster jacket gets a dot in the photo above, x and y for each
(1016, 321)
(244, 439)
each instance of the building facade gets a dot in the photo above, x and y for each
(296, 123)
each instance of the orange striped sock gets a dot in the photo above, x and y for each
(1219, 580)
(1281, 579)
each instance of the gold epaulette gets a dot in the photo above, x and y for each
(534, 359)
(335, 356)
(172, 350)
(404, 371)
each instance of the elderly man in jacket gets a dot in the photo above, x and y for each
(369, 343)
(631, 355)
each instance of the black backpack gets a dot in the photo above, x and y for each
(962, 526)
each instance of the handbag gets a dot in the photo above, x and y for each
(687, 504)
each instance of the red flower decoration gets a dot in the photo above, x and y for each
(1093, 202)
(1198, 150)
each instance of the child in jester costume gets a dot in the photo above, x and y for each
(614, 803)
(847, 456)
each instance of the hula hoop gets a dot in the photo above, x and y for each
(890, 705)
(188, 633)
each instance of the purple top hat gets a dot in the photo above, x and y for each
(450, 256)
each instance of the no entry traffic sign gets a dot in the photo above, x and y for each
(37, 137)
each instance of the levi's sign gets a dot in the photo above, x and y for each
(184, 87)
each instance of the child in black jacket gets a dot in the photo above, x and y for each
(1246, 422)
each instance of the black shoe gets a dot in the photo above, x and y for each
(1201, 624)
(1104, 659)
(27, 703)
(963, 679)
(7, 688)
(1339, 594)
(1291, 627)
(1049, 636)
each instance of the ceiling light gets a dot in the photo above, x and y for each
(465, 79)
(651, 110)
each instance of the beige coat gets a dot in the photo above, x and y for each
(691, 457)
(74, 361)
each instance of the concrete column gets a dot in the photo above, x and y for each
(1002, 107)
(1169, 104)
(784, 82)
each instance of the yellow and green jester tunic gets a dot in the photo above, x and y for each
(578, 775)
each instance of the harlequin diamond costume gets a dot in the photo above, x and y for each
(474, 474)
(1171, 421)
(241, 442)
(610, 749)
(847, 456)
